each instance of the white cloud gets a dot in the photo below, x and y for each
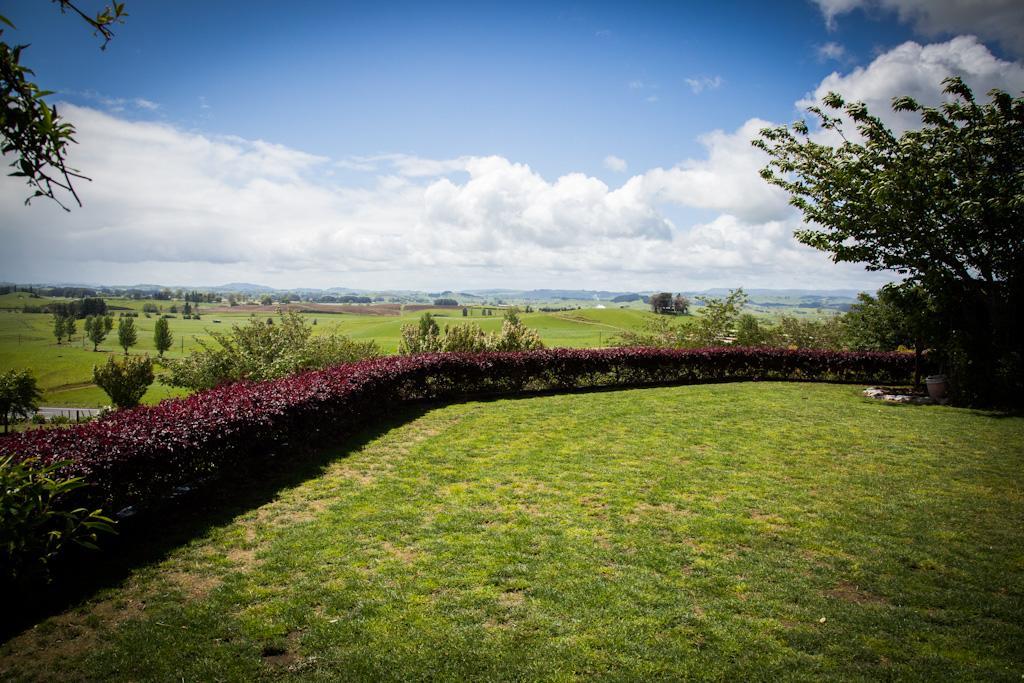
(699, 85)
(142, 103)
(918, 70)
(726, 180)
(833, 51)
(614, 163)
(176, 207)
(1000, 20)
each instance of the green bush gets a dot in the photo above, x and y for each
(37, 523)
(426, 337)
(259, 351)
(125, 381)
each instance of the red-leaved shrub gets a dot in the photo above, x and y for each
(140, 456)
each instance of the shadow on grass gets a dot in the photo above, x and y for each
(151, 535)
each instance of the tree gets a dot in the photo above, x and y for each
(69, 327)
(423, 337)
(19, 396)
(126, 334)
(899, 316)
(30, 129)
(661, 302)
(718, 318)
(125, 381)
(58, 326)
(680, 304)
(97, 327)
(162, 337)
(942, 206)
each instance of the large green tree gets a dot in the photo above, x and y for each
(19, 396)
(31, 130)
(941, 205)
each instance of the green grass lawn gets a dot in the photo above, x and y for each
(730, 532)
(64, 372)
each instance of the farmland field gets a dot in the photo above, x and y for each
(64, 372)
(756, 531)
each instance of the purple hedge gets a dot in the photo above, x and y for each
(140, 456)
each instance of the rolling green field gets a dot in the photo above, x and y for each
(64, 372)
(750, 531)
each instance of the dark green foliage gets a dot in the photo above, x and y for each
(126, 380)
(127, 336)
(942, 205)
(97, 328)
(162, 337)
(38, 521)
(19, 396)
(900, 316)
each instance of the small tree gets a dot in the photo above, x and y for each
(424, 337)
(749, 331)
(69, 327)
(680, 304)
(718, 318)
(19, 396)
(126, 334)
(901, 315)
(96, 329)
(162, 337)
(125, 381)
(58, 327)
(515, 336)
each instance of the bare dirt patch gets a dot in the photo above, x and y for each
(849, 592)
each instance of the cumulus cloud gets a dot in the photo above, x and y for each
(168, 205)
(1000, 20)
(918, 70)
(726, 180)
(702, 83)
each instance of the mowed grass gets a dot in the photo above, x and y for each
(724, 532)
(64, 372)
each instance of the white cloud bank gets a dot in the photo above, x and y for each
(916, 70)
(172, 206)
(1000, 20)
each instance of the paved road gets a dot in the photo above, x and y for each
(72, 413)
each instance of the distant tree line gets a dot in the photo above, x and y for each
(343, 299)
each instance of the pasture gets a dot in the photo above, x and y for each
(750, 531)
(64, 372)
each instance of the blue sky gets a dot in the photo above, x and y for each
(462, 144)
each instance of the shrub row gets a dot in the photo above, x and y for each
(140, 456)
